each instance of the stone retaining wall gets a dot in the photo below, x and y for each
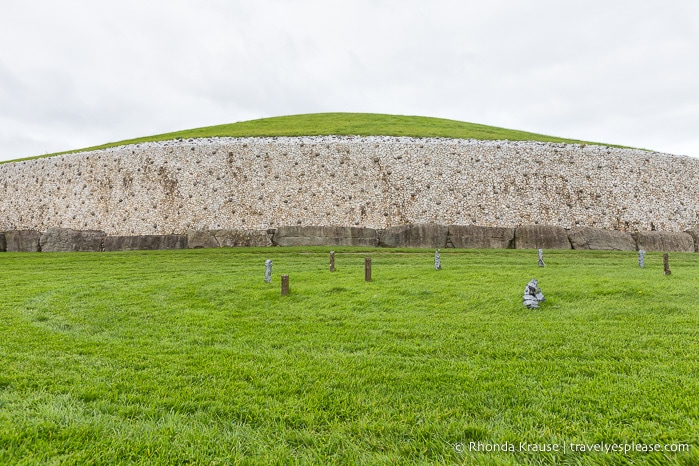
(169, 188)
(405, 236)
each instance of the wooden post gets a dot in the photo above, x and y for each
(285, 285)
(666, 264)
(367, 269)
(332, 261)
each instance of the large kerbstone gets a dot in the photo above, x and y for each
(665, 241)
(694, 233)
(201, 239)
(242, 238)
(144, 242)
(541, 237)
(22, 241)
(415, 236)
(325, 236)
(598, 239)
(2, 241)
(475, 237)
(67, 240)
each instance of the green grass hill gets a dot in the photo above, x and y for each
(345, 124)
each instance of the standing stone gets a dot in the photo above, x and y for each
(367, 269)
(541, 258)
(332, 261)
(268, 271)
(533, 295)
(641, 258)
(666, 264)
(437, 261)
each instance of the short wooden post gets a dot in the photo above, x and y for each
(285, 285)
(367, 269)
(666, 264)
(332, 261)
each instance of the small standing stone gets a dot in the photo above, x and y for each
(332, 261)
(533, 295)
(268, 271)
(666, 264)
(541, 258)
(437, 261)
(641, 258)
(367, 269)
(285, 285)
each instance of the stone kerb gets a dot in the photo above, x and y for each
(664, 241)
(598, 239)
(414, 236)
(477, 237)
(694, 233)
(325, 236)
(541, 237)
(68, 240)
(22, 241)
(144, 242)
(227, 239)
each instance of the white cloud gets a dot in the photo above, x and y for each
(79, 73)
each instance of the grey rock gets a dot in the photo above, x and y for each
(541, 258)
(665, 241)
(268, 271)
(541, 237)
(415, 236)
(475, 237)
(2, 242)
(694, 233)
(532, 295)
(325, 236)
(242, 238)
(641, 258)
(68, 240)
(144, 242)
(598, 239)
(201, 239)
(22, 241)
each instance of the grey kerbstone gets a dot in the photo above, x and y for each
(22, 241)
(476, 237)
(541, 237)
(242, 238)
(68, 240)
(598, 239)
(694, 233)
(665, 241)
(2, 241)
(325, 236)
(201, 239)
(415, 236)
(144, 242)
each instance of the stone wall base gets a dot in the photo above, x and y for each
(430, 236)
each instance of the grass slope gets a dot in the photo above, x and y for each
(188, 357)
(362, 124)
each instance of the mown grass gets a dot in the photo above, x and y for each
(344, 124)
(188, 357)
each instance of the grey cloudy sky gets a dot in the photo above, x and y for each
(77, 73)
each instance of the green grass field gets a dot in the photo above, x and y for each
(188, 357)
(345, 124)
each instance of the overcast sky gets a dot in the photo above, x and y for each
(77, 73)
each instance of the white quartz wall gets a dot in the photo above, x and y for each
(259, 183)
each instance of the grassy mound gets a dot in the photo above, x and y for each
(345, 124)
(188, 357)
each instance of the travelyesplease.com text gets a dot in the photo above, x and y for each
(525, 447)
